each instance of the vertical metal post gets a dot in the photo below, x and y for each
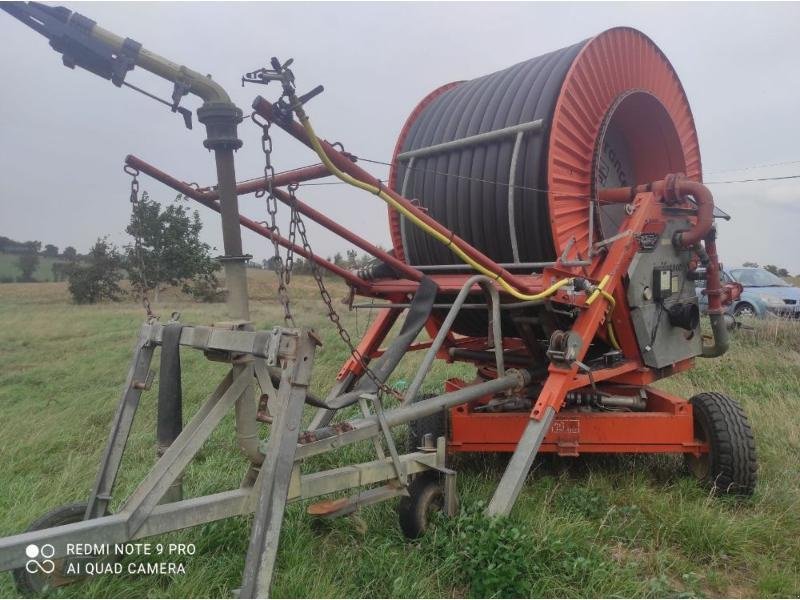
(276, 472)
(221, 120)
(137, 381)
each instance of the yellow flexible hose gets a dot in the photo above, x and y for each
(612, 304)
(317, 146)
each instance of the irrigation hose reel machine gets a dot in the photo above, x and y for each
(548, 224)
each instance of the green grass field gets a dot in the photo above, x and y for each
(630, 526)
(44, 272)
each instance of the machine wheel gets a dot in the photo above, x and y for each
(730, 466)
(435, 424)
(744, 309)
(426, 497)
(39, 583)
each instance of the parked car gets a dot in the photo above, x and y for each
(763, 293)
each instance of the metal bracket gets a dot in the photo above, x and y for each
(274, 346)
(564, 347)
(387, 434)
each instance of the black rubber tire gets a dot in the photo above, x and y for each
(730, 467)
(745, 309)
(426, 496)
(37, 584)
(435, 424)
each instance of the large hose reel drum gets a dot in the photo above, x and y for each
(606, 112)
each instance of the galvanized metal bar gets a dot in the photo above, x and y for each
(113, 529)
(471, 306)
(525, 265)
(234, 263)
(387, 435)
(512, 180)
(472, 140)
(265, 383)
(495, 327)
(262, 344)
(135, 383)
(444, 329)
(353, 476)
(365, 498)
(183, 449)
(520, 464)
(376, 441)
(276, 473)
(354, 431)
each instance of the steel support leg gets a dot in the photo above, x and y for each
(513, 479)
(135, 383)
(276, 475)
(183, 449)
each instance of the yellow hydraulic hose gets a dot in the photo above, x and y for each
(599, 291)
(317, 146)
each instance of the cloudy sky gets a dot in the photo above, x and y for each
(64, 133)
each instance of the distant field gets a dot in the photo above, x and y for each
(8, 267)
(632, 526)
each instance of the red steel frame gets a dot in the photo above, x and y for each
(666, 426)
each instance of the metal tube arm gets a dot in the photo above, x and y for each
(85, 44)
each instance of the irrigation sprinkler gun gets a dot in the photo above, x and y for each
(550, 243)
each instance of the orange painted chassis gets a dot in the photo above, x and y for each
(667, 424)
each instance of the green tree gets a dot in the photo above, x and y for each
(27, 264)
(50, 250)
(352, 259)
(70, 254)
(772, 269)
(98, 277)
(169, 251)
(35, 246)
(59, 270)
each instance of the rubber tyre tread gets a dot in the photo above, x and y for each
(412, 510)
(63, 515)
(733, 467)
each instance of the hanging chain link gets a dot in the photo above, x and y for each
(382, 388)
(136, 208)
(278, 265)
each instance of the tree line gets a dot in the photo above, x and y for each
(28, 260)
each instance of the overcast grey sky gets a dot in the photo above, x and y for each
(64, 133)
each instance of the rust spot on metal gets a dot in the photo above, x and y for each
(263, 410)
(307, 437)
(326, 507)
(342, 427)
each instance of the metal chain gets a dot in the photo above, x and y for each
(137, 241)
(278, 265)
(326, 298)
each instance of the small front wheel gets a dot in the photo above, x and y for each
(425, 498)
(40, 582)
(730, 465)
